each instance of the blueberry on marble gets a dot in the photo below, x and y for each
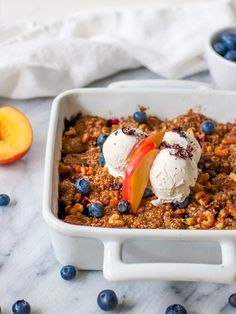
(229, 40)
(96, 210)
(183, 204)
(102, 139)
(231, 55)
(123, 207)
(176, 309)
(208, 127)
(107, 300)
(140, 116)
(4, 199)
(220, 48)
(232, 300)
(147, 193)
(21, 307)
(102, 161)
(68, 272)
(82, 186)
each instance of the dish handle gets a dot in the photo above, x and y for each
(173, 84)
(114, 269)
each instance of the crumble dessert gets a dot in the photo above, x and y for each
(210, 197)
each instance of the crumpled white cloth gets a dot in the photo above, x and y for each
(44, 60)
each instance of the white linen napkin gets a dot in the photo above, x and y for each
(44, 60)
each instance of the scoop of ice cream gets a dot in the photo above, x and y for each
(184, 139)
(171, 177)
(117, 148)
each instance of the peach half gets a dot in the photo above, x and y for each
(137, 176)
(16, 135)
(138, 169)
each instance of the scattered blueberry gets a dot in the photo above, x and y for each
(83, 186)
(96, 210)
(220, 48)
(68, 272)
(102, 161)
(229, 40)
(231, 55)
(107, 300)
(140, 116)
(147, 193)
(176, 309)
(112, 121)
(4, 199)
(232, 300)
(183, 204)
(123, 207)
(208, 127)
(21, 307)
(101, 139)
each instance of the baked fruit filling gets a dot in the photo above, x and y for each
(141, 172)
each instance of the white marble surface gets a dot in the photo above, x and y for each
(28, 268)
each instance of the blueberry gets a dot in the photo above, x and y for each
(140, 116)
(229, 40)
(102, 161)
(231, 55)
(96, 210)
(147, 193)
(82, 186)
(123, 207)
(4, 199)
(183, 204)
(232, 300)
(208, 127)
(68, 272)
(219, 48)
(176, 309)
(21, 307)
(107, 300)
(101, 139)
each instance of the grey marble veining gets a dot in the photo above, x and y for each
(28, 268)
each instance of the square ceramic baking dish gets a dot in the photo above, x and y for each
(124, 254)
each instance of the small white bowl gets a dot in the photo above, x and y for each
(222, 70)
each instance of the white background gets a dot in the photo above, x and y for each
(12, 11)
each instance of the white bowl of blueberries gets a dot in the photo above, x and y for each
(221, 57)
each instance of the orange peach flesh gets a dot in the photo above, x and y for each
(15, 135)
(140, 181)
(137, 175)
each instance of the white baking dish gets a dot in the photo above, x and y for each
(199, 255)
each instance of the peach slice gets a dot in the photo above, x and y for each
(155, 137)
(15, 135)
(137, 175)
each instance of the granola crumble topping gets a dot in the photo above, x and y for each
(213, 198)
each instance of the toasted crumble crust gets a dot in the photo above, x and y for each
(213, 197)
